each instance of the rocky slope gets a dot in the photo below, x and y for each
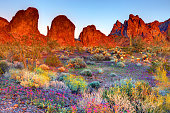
(136, 27)
(92, 37)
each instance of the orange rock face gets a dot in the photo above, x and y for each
(62, 30)
(25, 22)
(92, 37)
(3, 34)
(3, 22)
(136, 27)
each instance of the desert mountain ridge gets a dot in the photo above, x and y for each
(25, 24)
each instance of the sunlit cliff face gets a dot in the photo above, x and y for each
(25, 24)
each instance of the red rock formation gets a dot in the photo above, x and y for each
(117, 29)
(168, 32)
(165, 28)
(3, 34)
(25, 22)
(24, 25)
(3, 22)
(62, 30)
(92, 37)
(136, 27)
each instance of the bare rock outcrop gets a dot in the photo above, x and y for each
(62, 30)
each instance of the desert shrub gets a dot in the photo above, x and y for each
(52, 75)
(137, 44)
(113, 74)
(163, 80)
(86, 72)
(138, 95)
(121, 64)
(98, 57)
(100, 71)
(121, 103)
(30, 79)
(38, 70)
(16, 57)
(19, 65)
(166, 65)
(76, 84)
(154, 65)
(3, 67)
(77, 63)
(37, 80)
(90, 63)
(64, 57)
(62, 75)
(59, 85)
(94, 103)
(52, 60)
(94, 84)
(44, 67)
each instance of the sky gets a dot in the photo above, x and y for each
(101, 13)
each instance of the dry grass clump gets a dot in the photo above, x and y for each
(38, 78)
(53, 60)
(94, 102)
(139, 96)
(76, 63)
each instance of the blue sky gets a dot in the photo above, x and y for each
(101, 13)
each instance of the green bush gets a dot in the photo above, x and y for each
(139, 94)
(62, 75)
(95, 84)
(3, 67)
(86, 72)
(77, 84)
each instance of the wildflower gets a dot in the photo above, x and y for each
(95, 110)
(44, 99)
(127, 111)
